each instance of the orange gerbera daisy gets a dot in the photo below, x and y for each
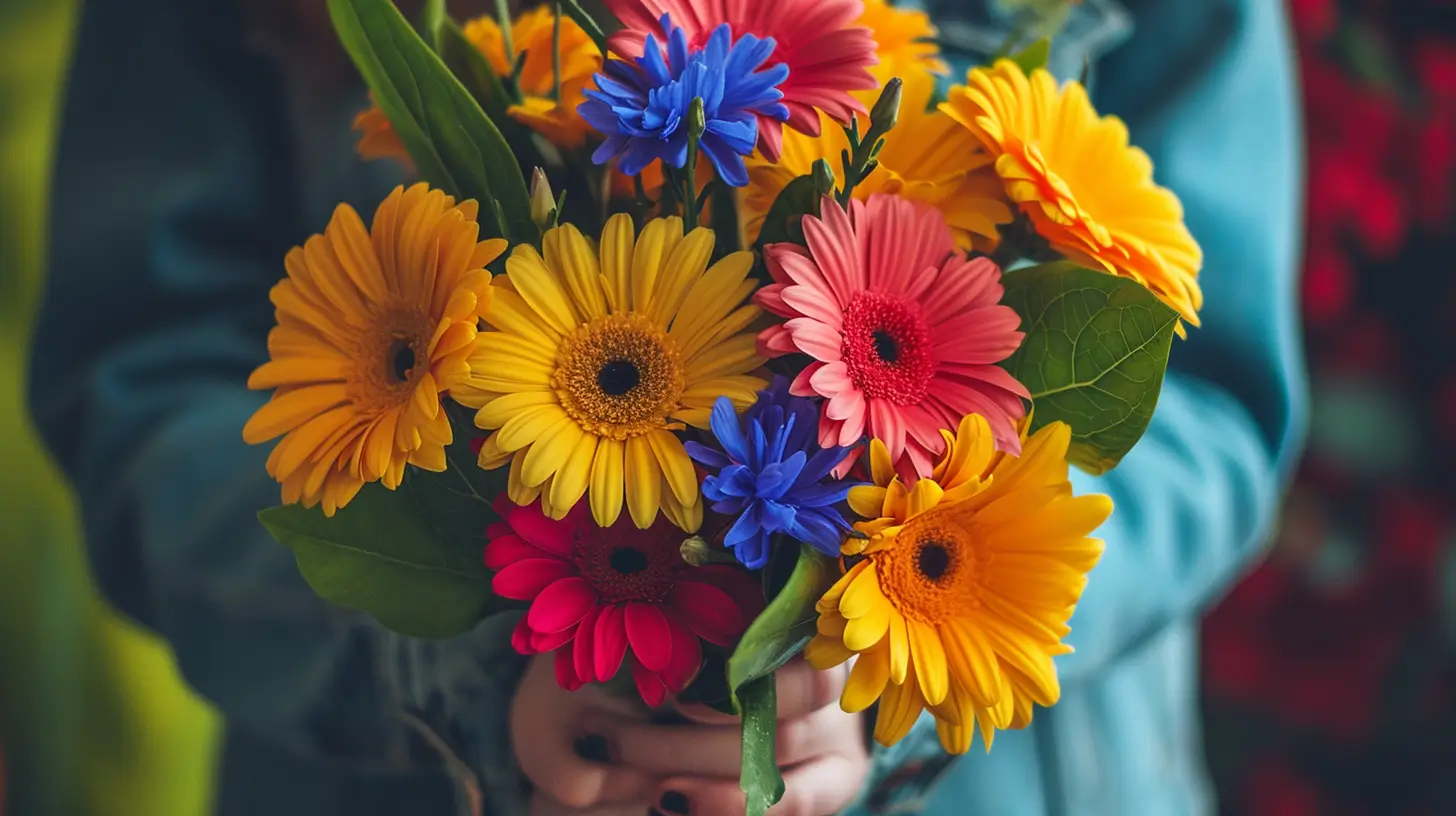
(373, 326)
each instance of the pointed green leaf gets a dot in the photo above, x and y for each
(760, 779)
(380, 555)
(593, 29)
(454, 144)
(1034, 56)
(432, 17)
(787, 624)
(1094, 357)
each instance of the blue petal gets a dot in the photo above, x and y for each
(819, 530)
(745, 527)
(753, 553)
(737, 480)
(609, 149)
(657, 72)
(820, 463)
(778, 518)
(775, 479)
(730, 506)
(729, 164)
(677, 46)
(724, 423)
(819, 495)
(711, 458)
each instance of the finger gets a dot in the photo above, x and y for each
(819, 788)
(546, 806)
(828, 730)
(802, 689)
(686, 750)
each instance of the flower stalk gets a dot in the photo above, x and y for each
(860, 160)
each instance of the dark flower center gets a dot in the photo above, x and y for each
(618, 377)
(886, 346)
(933, 560)
(401, 360)
(628, 560)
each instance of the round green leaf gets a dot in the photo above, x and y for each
(1094, 357)
(379, 555)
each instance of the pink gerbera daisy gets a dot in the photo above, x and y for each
(604, 597)
(827, 54)
(905, 332)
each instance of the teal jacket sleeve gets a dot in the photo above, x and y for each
(1207, 88)
(179, 186)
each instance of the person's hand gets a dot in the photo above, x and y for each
(689, 766)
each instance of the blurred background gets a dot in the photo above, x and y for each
(1329, 672)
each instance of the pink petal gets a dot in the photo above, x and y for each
(847, 464)
(770, 138)
(505, 550)
(898, 240)
(776, 341)
(521, 638)
(831, 241)
(687, 657)
(845, 405)
(963, 286)
(804, 271)
(708, 611)
(611, 643)
(886, 425)
(566, 676)
(533, 525)
(816, 339)
(562, 604)
(771, 298)
(801, 385)
(811, 304)
(524, 580)
(581, 651)
(649, 635)
(649, 685)
(832, 379)
(548, 642)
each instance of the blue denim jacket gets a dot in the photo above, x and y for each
(187, 167)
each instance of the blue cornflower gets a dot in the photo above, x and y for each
(642, 106)
(773, 475)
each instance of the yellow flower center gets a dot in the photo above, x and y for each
(619, 376)
(392, 356)
(933, 570)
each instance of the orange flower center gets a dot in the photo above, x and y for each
(619, 376)
(391, 357)
(933, 571)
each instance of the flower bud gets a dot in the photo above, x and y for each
(696, 551)
(543, 203)
(824, 180)
(697, 119)
(886, 111)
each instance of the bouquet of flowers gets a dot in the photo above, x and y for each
(796, 361)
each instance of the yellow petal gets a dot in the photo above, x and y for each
(570, 481)
(900, 706)
(972, 662)
(929, 658)
(924, 495)
(863, 632)
(606, 481)
(654, 246)
(288, 410)
(867, 500)
(899, 646)
(824, 653)
(643, 482)
(882, 469)
(573, 262)
(529, 425)
(541, 290)
(498, 411)
(862, 596)
(676, 465)
(866, 681)
(616, 261)
(688, 262)
(549, 453)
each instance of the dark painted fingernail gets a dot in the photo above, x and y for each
(674, 802)
(593, 748)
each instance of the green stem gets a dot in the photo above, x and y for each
(503, 16)
(556, 51)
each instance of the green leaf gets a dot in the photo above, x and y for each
(787, 624)
(593, 29)
(1094, 357)
(760, 779)
(1034, 56)
(379, 555)
(782, 223)
(456, 502)
(432, 17)
(454, 144)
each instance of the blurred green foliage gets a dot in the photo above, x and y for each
(93, 716)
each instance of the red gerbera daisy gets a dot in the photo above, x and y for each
(827, 52)
(604, 596)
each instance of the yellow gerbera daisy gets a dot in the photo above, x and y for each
(904, 39)
(927, 157)
(598, 355)
(373, 325)
(965, 587)
(1084, 189)
(531, 34)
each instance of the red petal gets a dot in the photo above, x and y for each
(582, 646)
(542, 642)
(533, 525)
(648, 633)
(687, 657)
(524, 580)
(649, 685)
(707, 610)
(521, 638)
(610, 643)
(745, 590)
(565, 673)
(505, 550)
(562, 604)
